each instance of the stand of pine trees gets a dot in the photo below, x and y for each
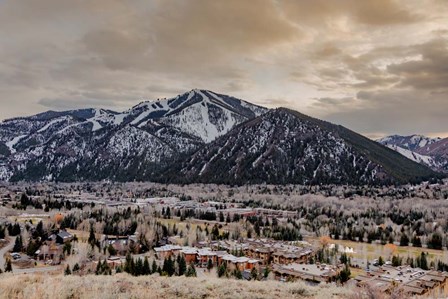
(170, 267)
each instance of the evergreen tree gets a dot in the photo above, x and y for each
(423, 262)
(103, 268)
(111, 250)
(215, 232)
(67, 248)
(146, 267)
(380, 261)
(154, 266)
(344, 275)
(404, 240)
(191, 271)
(237, 273)
(221, 270)
(24, 201)
(257, 228)
(168, 267)
(13, 229)
(92, 238)
(254, 273)
(75, 268)
(67, 270)
(410, 262)
(33, 246)
(8, 265)
(266, 272)
(396, 261)
(416, 242)
(18, 245)
(344, 258)
(168, 213)
(209, 265)
(435, 242)
(129, 265)
(98, 268)
(40, 230)
(138, 267)
(182, 266)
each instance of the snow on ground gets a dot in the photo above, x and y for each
(54, 121)
(119, 118)
(13, 142)
(96, 125)
(413, 156)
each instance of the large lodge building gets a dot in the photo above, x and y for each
(246, 255)
(411, 281)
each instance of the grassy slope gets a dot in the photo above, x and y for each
(125, 286)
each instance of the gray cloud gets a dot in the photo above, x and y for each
(431, 72)
(362, 63)
(405, 96)
(386, 111)
(373, 13)
(69, 103)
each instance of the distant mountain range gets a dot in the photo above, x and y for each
(199, 136)
(432, 152)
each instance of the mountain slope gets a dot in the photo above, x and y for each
(93, 144)
(201, 113)
(284, 146)
(414, 156)
(432, 152)
(439, 151)
(412, 142)
(199, 136)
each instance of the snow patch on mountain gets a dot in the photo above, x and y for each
(426, 160)
(412, 142)
(13, 142)
(48, 125)
(119, 118)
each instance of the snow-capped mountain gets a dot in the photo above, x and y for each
(432, 152)
(439, 151)
(201, 113)
(198, 136)
(414, 156)
(98, 143)
(284, 146)
(412, 142)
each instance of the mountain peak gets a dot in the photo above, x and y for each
(229, 141)
(170, 126)
(283, 146)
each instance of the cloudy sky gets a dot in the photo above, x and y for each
(377, 67)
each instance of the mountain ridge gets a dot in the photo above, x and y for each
(432, 152)
(151, 139)
(79, 135)
(321, 153)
